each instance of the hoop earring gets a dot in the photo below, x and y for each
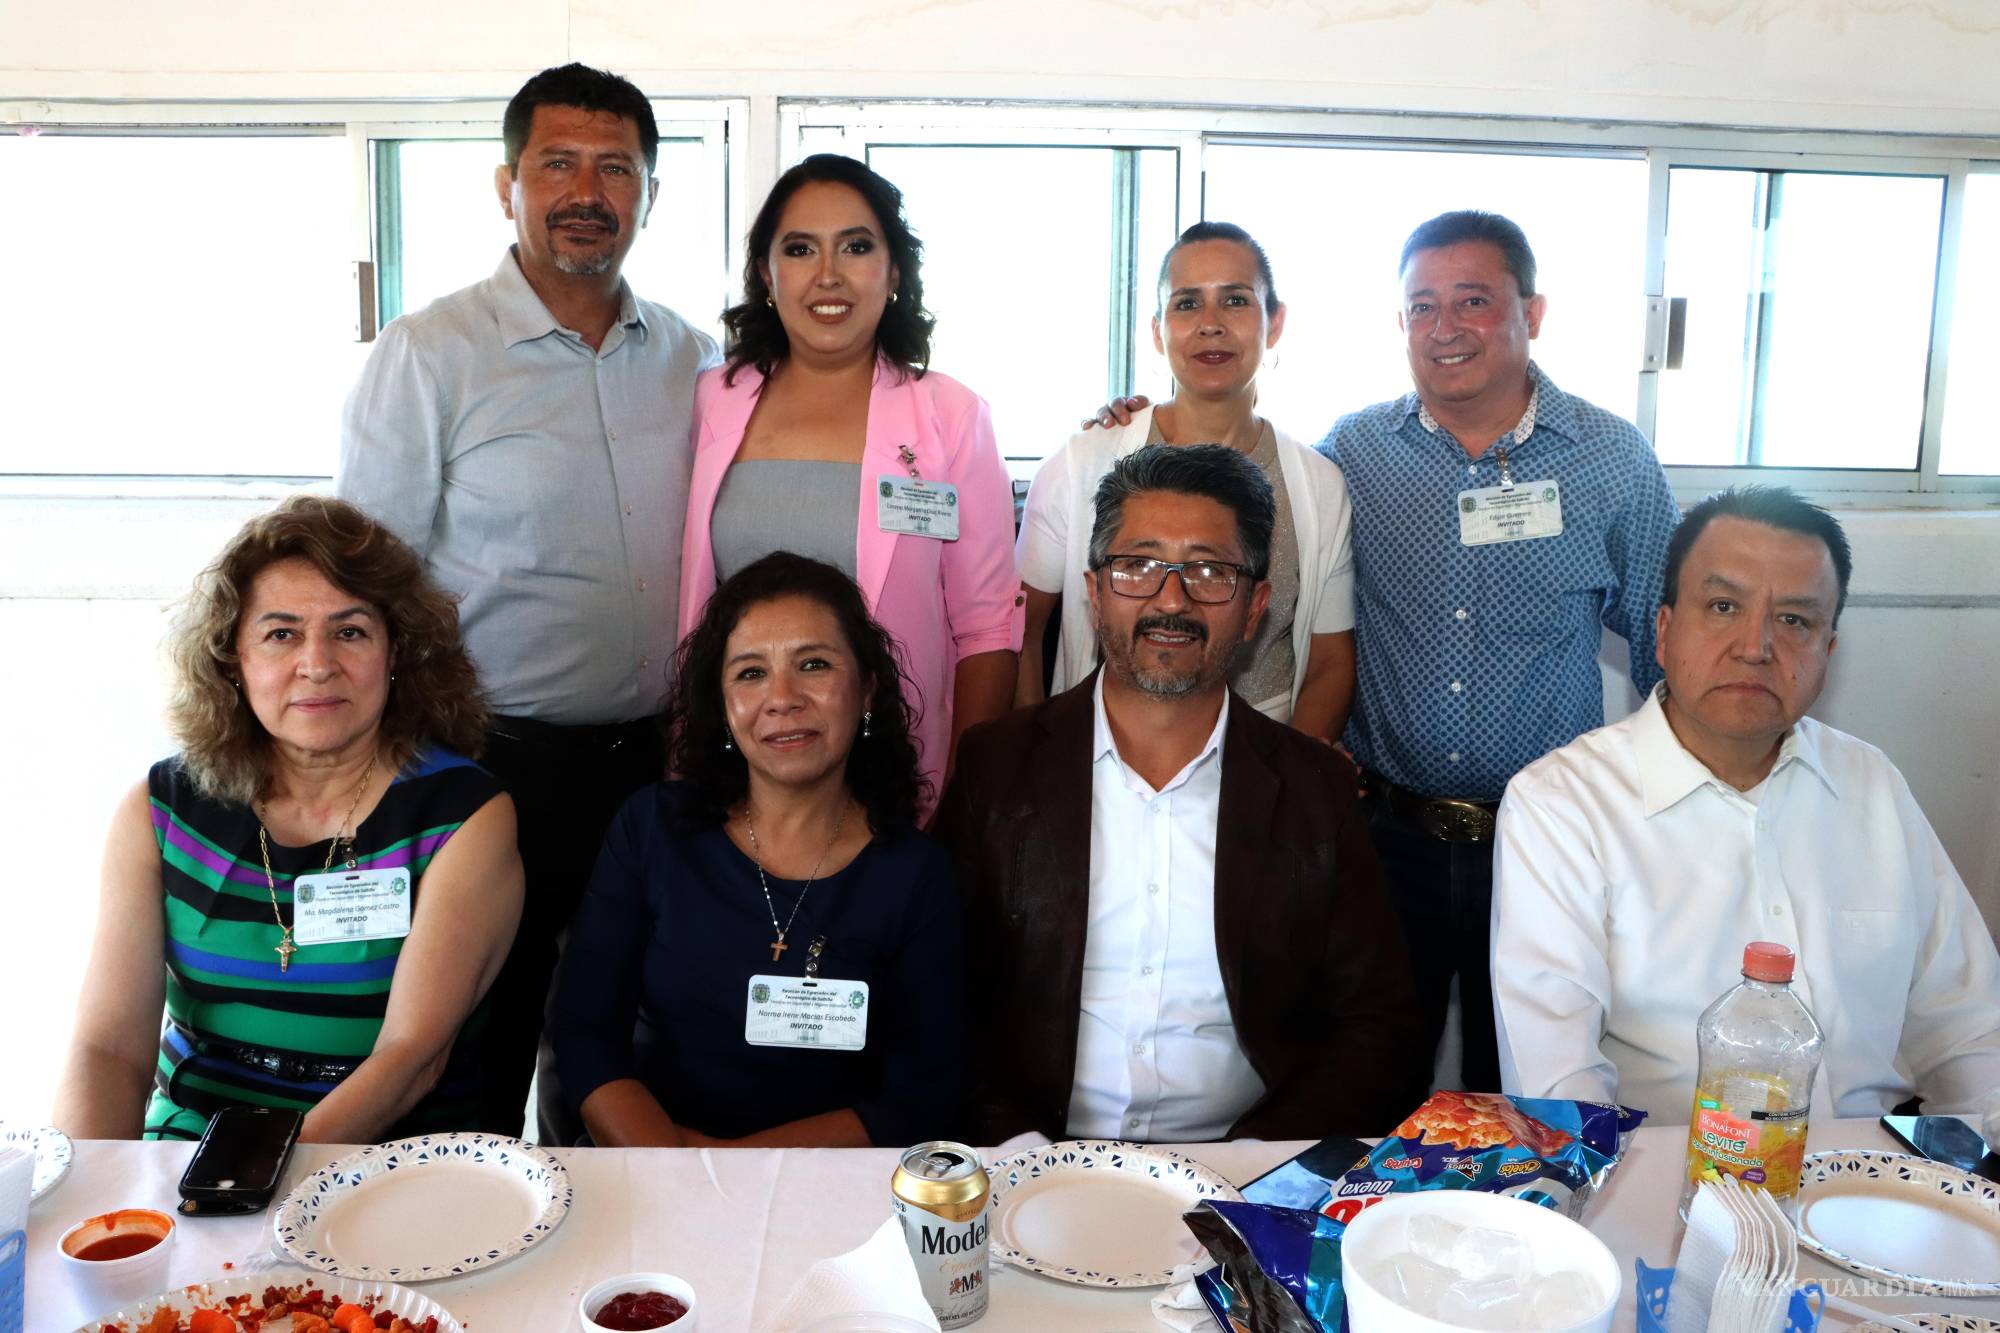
(864, 724)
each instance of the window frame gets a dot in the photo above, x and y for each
(812, 125)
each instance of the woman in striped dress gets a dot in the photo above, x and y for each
(331, 883)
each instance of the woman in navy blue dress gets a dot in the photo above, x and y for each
(768, 954)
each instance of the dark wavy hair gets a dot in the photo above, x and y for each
(757, 336)
(882, 768)
(434, 697)
(586, 89)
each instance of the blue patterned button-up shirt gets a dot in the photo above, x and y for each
(1474, 661)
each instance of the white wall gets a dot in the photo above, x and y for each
(1848, 64)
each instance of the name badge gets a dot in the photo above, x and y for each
(351, 905)
(917, 508)
(807, 1011)
(1510, 514)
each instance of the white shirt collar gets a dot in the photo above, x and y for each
(1103, 743)
(1522, 428)
(1668, 773)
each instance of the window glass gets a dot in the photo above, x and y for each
(176, 305)
(1034, 310)
(1971, 441)
(450, 230)
(1333, 221)
(1801, 350)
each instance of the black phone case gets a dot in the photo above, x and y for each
(203, 1201)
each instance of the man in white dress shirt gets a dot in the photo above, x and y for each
(1178, 930)
(1634, 864)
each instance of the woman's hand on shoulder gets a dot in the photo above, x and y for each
(1118, 412)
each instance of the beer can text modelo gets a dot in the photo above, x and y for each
(939, 1191)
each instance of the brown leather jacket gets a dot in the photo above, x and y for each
(1312, 956)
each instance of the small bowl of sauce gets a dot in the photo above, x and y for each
(639, 1301)
(119, 1255)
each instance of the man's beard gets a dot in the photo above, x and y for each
(582, 265)
(1127, 660)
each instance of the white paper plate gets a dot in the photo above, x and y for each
(52, 1150)
(1940, 1323)
(421, 1209)
(1099, 1214)
(1916, 1223)
(184, 1301)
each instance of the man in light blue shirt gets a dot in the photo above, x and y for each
(1499, 525)
(529, 437)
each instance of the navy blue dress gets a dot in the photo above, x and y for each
(659, 960)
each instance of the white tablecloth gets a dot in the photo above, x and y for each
(743, 1226)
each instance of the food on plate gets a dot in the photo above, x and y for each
(299, 1309)
(639, 1310)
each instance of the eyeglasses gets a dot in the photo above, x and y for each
(1142, 576)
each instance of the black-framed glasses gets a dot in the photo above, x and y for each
(1142, 576)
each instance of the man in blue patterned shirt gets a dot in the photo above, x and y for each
(1498, 523)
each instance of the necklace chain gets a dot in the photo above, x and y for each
(284, 947)
(778, 945)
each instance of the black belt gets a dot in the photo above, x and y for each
(293, 1068)
(1446, 818)
(592, 737)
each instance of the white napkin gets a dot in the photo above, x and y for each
(1705, 1252)
(875, 1276)
(1179, 1306)
(17, 1183)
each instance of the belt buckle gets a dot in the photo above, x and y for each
(1456, 821)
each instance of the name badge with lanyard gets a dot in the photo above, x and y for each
(913, 507)
(807, 1011)
(1507, 512)
(347, 905)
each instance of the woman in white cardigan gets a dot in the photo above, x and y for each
(1218, 313)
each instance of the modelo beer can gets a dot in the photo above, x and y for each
(940, 1191)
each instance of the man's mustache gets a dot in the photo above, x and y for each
(583, 213)
(1171, 625)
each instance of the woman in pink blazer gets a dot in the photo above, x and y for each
(824, 433)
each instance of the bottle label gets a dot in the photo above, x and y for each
(1764, 1148)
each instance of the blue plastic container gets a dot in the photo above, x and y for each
(1655, 1283)
(13, 1281)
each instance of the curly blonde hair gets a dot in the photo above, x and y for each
(435, 696)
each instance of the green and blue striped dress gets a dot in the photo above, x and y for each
(238, 1029)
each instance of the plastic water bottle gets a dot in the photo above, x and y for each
(1759, 1049)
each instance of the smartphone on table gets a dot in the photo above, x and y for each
(240, 1160)
(1947, 1139)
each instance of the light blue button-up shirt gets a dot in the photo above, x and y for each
(1474, 661)
(544, 483)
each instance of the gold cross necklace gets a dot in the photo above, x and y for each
(778, 945)
(284, 947)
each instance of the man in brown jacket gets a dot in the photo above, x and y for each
(1178, 930)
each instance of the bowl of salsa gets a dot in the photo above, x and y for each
(120, 1254)
(639, 1301)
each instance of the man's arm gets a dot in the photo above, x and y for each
(1551, 965)
(1327, 693)
(1637, 545)
(392, 438)
(1951, 1028)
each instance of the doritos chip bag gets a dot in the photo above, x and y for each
(1547, 1151)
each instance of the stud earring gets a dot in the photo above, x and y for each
(894, 296)
(865, 717)
(769, 302)
(728, 741)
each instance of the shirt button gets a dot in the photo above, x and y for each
(1139, 1048)
(613, 434)
(1453, 756)
(1471, 468)
(1146, 971)
(642, 588)
(628, 514)
(1459, 614)
(1457, 687)
(1152, 888)
(1776, 910)
(645, 661)
(1133, 1122)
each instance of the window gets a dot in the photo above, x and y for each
(176, 304)
(1334, 219)
(1801, 350)
(1971, 441)
(1041, 309)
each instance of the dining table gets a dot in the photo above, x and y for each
(744, 1225)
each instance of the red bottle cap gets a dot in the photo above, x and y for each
(1765, 961)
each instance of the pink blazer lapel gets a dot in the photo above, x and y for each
(719, 434)
(894, 423)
